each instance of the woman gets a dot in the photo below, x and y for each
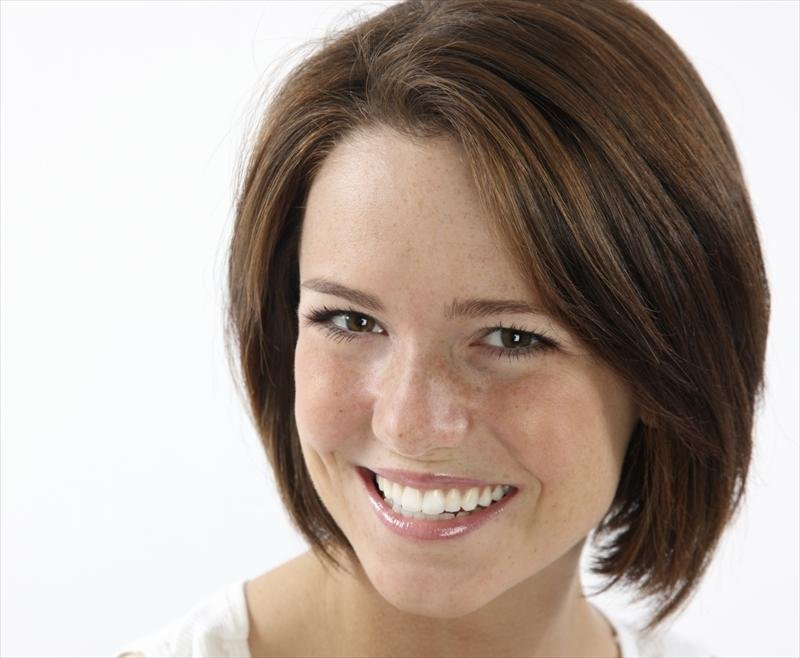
(495, 287)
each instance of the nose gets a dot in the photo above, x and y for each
(420, 406)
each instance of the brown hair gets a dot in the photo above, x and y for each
(612, 179)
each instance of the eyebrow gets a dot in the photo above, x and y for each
(468, 308)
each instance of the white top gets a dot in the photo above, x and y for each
(218, 626)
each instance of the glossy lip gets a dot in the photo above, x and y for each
(423, 529)
(431, 480)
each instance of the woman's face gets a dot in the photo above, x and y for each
(414, 387)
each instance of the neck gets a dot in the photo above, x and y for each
(545, 615)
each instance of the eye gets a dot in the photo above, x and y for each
(347, 324)
(356, 322)
(515, 343)
(510, 337)
(352, 323)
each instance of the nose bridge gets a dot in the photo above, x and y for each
(421, 404)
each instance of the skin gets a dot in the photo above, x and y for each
(400, 219)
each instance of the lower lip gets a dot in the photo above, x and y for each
(424, 529)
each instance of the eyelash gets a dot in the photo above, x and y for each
(323, 316)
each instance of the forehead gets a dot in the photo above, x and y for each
(383, 203)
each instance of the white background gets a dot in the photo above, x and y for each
(132, 482)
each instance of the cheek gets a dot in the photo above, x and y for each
(569, 431)
(328, 407)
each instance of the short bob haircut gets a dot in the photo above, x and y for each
(612, 179)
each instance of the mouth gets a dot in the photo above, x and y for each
(434, 513)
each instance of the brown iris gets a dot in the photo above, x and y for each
(358, 323)
(515, 338)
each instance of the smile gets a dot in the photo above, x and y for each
(441, 513)
(438, 504)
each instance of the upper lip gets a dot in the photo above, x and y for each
(431, 480)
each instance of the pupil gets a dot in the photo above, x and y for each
(358, 322)
(515, 338)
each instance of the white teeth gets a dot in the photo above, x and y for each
(470, 501)
(452, 503)
(437, 503)
(437, 517)
(433, 502)
(397, 492)
(411, 499)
